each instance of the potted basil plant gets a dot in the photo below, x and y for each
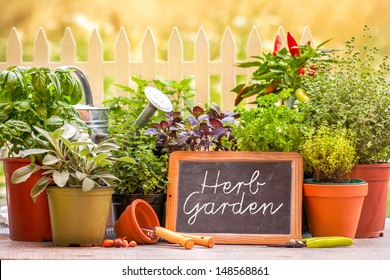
(77, 183)
(35, 96)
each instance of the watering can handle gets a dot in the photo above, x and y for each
(84, 84)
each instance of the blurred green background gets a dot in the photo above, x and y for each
(332, 19)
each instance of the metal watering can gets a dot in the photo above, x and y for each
(96, 118)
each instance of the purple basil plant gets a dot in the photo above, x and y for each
(202, 130)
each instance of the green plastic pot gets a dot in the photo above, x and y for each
(77, 217)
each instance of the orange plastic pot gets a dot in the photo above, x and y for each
(28, 221)
(373, 217)
(334, 209)
(137, 215)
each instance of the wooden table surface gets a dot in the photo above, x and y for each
(363, 249)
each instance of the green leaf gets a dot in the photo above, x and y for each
(45, 134)
(69, 131)
(249, 64)
(41, 111)
(80, 175)
(39, 187)
(107, 175)
(50, 159)
(126, 159)
(83, 143)
(99, 158)
(54, 121)
(104, 162)
(60, 178)
(22, 174)
(76, 94)
(29, 152)
(88, 184)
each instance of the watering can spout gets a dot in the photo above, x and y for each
(157, 100)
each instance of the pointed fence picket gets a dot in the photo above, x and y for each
(149, 67)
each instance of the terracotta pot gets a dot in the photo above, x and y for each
(373, 216)
(137, 215)
(78, 217)
(333, 209)
(28, 221)
(121, 201)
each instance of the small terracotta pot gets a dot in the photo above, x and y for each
(137, 215)
(332, 209)
(121, 201)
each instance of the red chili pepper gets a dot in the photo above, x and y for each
(292, 45)
(278, 44)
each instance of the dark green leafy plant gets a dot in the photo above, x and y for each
(329, 153)
(35, 96)
(270, 127)
(356, 96)
(180, 93)
(149, 173)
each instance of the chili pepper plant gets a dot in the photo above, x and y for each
(282, 70)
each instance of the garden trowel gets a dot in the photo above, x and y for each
(186, 240)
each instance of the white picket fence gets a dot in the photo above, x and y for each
(149, 67)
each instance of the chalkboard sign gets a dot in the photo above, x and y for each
(237, 197)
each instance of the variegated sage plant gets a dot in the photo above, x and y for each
(70, 159)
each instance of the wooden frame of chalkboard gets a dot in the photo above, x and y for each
(236, 197)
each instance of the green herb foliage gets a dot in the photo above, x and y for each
(329, 153)
(355, 95)
(270, 126)
(149, 172)
(36, 96)
(147, 175)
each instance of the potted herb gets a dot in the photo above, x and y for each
(77, 183)
(355, 94)
(333, 203)
(147, 177)
(36, 96)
